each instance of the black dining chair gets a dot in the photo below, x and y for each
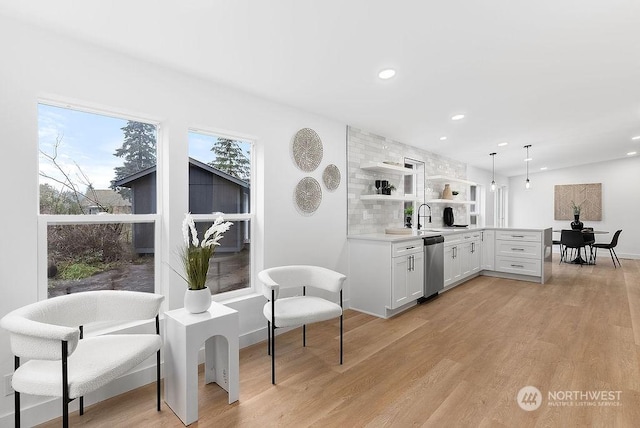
(589, 240)
(611, 247)
(574, 240)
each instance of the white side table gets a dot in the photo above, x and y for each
(184, 335)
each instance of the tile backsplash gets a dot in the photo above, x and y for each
(374, 216)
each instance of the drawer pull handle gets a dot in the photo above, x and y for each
(517, 249)
(517, 236)
(518, 266)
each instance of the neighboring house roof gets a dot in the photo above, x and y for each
(105, 198)
(126, 181)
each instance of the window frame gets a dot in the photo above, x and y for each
(250, 217)
(46, 220)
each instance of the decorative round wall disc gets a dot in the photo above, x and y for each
(308, 195)
(307, 149)
(331, 177)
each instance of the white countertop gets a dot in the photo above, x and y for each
(386, 237)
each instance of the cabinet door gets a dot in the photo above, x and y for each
(488, 249)
(416, 277)
(400, 268)
(476, 251)
(465, 258)
(452, 267)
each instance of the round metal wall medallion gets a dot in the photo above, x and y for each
(307, 149)
(331, 177)
(308, 195)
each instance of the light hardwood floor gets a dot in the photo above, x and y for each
(459, 360)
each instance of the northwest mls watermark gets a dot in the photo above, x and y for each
(530, 398)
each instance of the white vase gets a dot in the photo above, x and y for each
(197, 301)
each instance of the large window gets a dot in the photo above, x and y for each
(220, 171)
(98, 195)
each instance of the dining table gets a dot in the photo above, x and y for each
(579, 260)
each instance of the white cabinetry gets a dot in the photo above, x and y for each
(452, 266)
(385, 277)
(519, 252)
(461, 257)
(488, 238)
(407, 272)
(471, 250)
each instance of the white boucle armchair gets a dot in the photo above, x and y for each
(61, 363)
(298, 310)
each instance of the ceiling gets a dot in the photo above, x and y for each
(561, 75)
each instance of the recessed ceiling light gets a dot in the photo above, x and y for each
(543, 168)
(637, 137)
(457, 117)
(528, 159)
(443, 138)
(387, 73)
(631, 153)
(504, 143)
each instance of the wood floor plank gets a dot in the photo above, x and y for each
(457, 361)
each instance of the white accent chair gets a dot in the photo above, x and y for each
(298, 310)
(64, 364)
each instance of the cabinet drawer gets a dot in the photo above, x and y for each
(475, 236)
(408, 247)
(529, 250)
(453, 239)
(517, 235)
(518, 265)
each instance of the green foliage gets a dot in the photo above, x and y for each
(53, 201)
(138, 151)
(76, 271)
(576, 208)
(408, 211)
(196, 265)
(230, 158)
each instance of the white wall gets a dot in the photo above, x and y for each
(620, 200)
(38, 64)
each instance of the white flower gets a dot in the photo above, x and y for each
(215, 232)
(185, 229)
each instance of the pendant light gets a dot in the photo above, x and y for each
(527, 183)
(493, 171)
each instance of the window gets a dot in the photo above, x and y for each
(220, 173)
(476, 195)
(97, 207)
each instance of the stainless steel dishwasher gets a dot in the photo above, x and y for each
(433, 266)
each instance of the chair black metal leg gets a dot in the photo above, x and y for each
(65, 386)
(341, 326)
(304, 335)
(158, 365)
(81, 406)
(341, 317)
(612, 259)
(16, 396)
(158, 379)
(614, 253)
(273, 355)
(273, 336)
(268, 338)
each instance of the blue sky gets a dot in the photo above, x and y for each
(90, 141)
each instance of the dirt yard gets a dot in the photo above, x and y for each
(226, 272)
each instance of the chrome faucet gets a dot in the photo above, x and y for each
(428, 216)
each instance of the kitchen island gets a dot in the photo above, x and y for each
(386, 271)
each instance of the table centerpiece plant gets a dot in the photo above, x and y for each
(195, 256)
(576, 223)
